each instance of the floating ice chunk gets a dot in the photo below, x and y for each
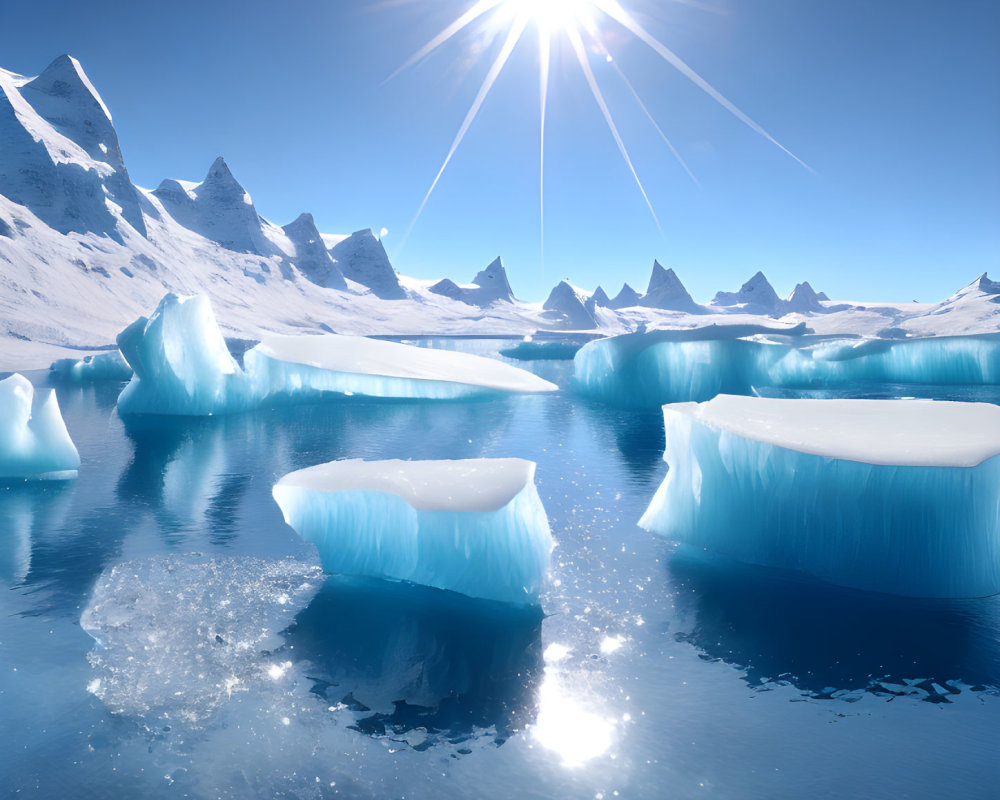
(303, 365)
(182, 366)
(101, 367)
(899, 496)
(34, 442)
(542, 351)
(649, 369)
(475, 526)
(657, 367)
(177, 636)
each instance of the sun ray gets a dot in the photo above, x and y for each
(614, 10)
(457, 26)
(544, 54)
(659, 130)
(512, 39)
(581, 54)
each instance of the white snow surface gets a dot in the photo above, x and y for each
(915, 433)
(470, 485)
(362, 356)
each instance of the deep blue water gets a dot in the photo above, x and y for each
(651, 672)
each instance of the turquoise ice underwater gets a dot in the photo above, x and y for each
(651, 670)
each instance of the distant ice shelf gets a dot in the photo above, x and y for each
(473, 526)
(100, 367)
(34, 442)
(181, 366)
(896, 496)
(650, 369)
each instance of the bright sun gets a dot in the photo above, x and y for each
(551, 15)
(578, 22)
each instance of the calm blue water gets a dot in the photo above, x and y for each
(653, 673)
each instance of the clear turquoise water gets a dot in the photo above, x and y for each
(654, 673)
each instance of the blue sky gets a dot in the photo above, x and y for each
(894, 103)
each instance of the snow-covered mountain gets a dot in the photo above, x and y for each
(666, 292)
(83, 252)
(489, 286)
(566, 308)
(626, 298)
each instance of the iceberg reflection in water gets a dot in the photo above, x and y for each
(830, 642)
(421, 666)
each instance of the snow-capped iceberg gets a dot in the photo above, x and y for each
(34, 442)
(305, 367)
(474, 526)
(182, 366)
(650, 369)
(897, 496)
(100, 367)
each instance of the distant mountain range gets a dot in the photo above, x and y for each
(84, 251)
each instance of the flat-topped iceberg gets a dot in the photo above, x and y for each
(34, 442)
(898, 496)
(473, 526)
(100, 367)
(650, 369)
(356, 365)
(182, 366)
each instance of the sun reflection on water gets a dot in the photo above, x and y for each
(567, 723)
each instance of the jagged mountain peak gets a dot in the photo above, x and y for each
(666, 292)
(804, 298)
(626, 298)
(361, 257)
(493, 283)
(986, 285)
(65, 78)
(221, 182)
(757, 294)
(311, 256)
(566, 306)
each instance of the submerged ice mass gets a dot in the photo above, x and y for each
(182, 366)
(34, 442)
(177, 636)
(650, 369)
(100, 367)
(897, 496)
(474, 526)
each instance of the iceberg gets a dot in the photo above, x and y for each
(34, 442)
(180, 363)
(658, 367)
(304, 367)
(896, 496)
(101, 367)
(182, 366)
(473, 526)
